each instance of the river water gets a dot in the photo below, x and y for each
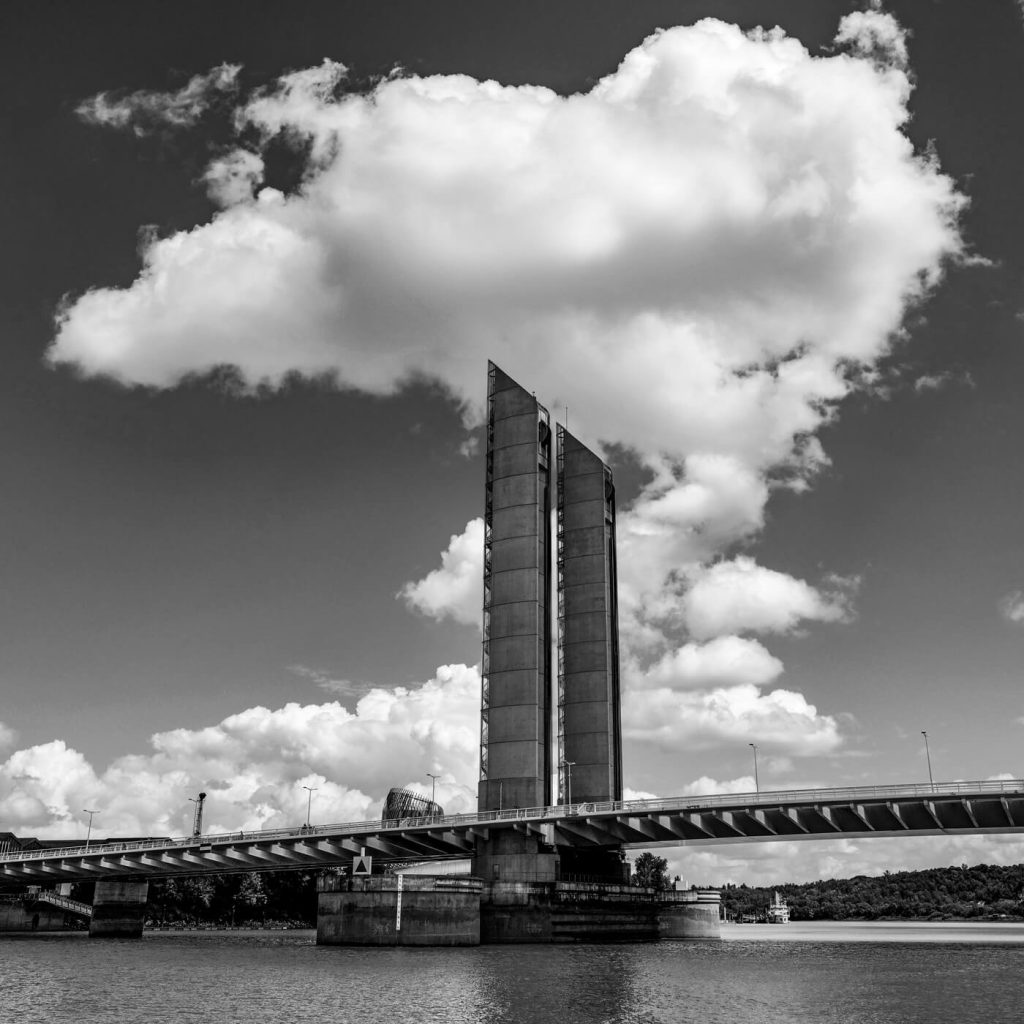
(872, 973)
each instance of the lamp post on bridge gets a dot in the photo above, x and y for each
(88, 834)
(309, 801)
(433, 789)
(757, 783)
(567, 765)
(928, 755)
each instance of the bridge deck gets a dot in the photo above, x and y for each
(918, 809)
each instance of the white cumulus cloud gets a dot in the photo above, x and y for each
(703, 719)
(252, 766)
(742, 596)
(706, 250)
(455, 590)
(726, 660)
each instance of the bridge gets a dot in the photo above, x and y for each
(957, 808)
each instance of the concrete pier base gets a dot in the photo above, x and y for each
(513, 912)
(118, 908)
(398, 910)
(693, 914)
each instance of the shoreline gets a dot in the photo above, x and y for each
(988, 932)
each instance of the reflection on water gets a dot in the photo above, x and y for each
(283, 977)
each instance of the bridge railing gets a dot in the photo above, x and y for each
(771, 798)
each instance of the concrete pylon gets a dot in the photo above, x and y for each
(118, 908)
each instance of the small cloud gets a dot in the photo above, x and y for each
(233, 178)
(146, 110)
(637, 794)
(742, 596)
(7, 736)
(723, 661)
(875, 35)
(931, 382)
(700, 720)
(706, 786)
(342, 687)
(938, 381)
(455, 590)
(973, 259)
(1011, 607)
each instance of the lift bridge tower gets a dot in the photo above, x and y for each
(550, 717)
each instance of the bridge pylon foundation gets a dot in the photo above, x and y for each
(514, 856)
(118, 908)
(397, 910)
(515, 912)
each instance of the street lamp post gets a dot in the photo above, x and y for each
(309, 800)
(433, 788)
(928, 755)
(88, 834)
(757, 784)
(567, 765)
(197, 819)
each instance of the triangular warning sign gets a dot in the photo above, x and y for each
(362, 865)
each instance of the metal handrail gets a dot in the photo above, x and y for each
(536, 814)
(66, 903)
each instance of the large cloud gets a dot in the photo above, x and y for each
(702, 249)
(253, 765)
(712, 231)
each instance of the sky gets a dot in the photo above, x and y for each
(767, 258)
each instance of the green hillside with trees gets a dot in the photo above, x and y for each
(984, 892)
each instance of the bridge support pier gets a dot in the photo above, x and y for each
(118, 908)
(513, 912)
(397, 910)
(692, 914)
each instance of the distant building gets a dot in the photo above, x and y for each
(406, 803)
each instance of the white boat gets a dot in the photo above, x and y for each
(778, 910)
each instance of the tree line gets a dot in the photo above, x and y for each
(267, 899)
(982, 892)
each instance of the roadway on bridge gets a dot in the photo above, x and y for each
(810, 814)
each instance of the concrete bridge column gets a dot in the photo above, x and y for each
(118, 908)
(690, 914)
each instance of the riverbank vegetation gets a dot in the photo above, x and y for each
(269, 899)
(984, 892)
